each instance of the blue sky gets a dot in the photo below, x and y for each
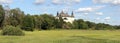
(99, 11)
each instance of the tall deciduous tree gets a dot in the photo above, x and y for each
(59, 23)
(2, 14)
(38, 20)
(16, 17)
(28, 23)
(80, 24)
(48, 21)
(91, 25)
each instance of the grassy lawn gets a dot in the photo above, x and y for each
(65, 36)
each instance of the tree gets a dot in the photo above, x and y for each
(75, 25)
(101, 26)
(28, 23)
(91, 25)
(82, 24)
(48, 21)
(59, 23)
(2, 14)
(67, 25)
(37, 21)
(117, 26)
(16, 17)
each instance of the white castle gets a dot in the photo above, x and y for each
(65, 16)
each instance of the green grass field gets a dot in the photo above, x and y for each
(65, 36)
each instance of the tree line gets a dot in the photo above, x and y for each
(28, 22)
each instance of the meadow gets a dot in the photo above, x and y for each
(65, 36)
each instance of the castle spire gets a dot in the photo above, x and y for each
(57, 13)
(62, 12)
(72, 14)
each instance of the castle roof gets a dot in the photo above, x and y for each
(62, 14)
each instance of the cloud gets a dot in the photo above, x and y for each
(99, 13)
(37, 2)
(77, 1)
(107, 18)
(6, 1)
(103, 20)
(97, 18)
(86, 13)
(58, 2)
(113, 2)
(88, 9)
(116, 2)
(65, 2)
(115, 22)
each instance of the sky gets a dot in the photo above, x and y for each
(98, 11)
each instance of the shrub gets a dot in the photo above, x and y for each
(12, 31)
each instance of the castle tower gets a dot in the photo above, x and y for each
(72, 14)
(66, 17)
(57, 13)
(62, 12)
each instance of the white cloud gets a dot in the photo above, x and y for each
(59, 2)
(103, 20)
(65, 2)
(107, 18)
(86, 13)
(6, 1)
(77, 1)
(113, 2)
(56, 1)
(97, 18)
(116, 2)
(88, 9)
(102, 1)
(37, 2)
(45, 12)
(99, 13)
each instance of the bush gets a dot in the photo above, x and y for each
(12, 31)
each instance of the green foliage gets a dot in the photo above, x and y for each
(67, 25)
(28, 23)
(1, 16)
(116, 27)
(12, 31)
(91, 25)
(37, 22)
(75, 25)
(80, 24)
(48, 21)
(16, 18)
(59, 23)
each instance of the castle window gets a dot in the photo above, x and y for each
(65, 19)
